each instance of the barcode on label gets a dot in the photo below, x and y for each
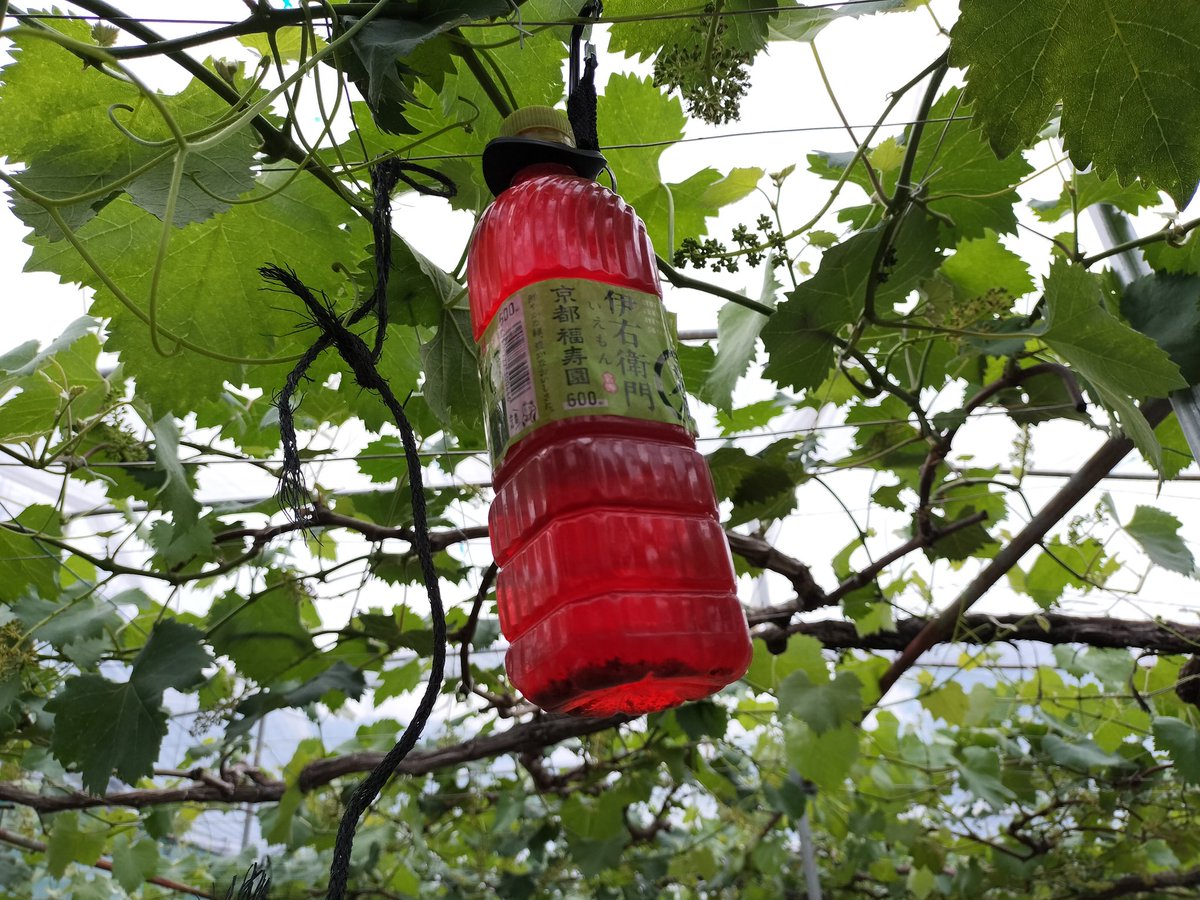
(519, 396)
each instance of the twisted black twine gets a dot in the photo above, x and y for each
(292, 491)
(361, 360)
(581, 102)
(256, 885)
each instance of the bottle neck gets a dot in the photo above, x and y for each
(538, 169)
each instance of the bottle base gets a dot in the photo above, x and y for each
(646, 695)
(604, 656)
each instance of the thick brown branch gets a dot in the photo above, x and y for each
(1048, 628)
(534, 735)
(1145, 884)
(762, 555)
(1076, 488)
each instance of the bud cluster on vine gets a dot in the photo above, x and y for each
(711, 76)
(753, 246)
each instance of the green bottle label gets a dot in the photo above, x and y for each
(572, 347)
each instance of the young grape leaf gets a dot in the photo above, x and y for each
(1089, 189)
(737, 341)
(1157, 532)
(1182, 742)
(984, 264)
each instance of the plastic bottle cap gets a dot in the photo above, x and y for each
(542, 123)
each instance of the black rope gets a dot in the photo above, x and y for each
(361, 359)
(292, 491)
(256, 885)
(581, 101)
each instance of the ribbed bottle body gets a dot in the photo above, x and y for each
(616, 588)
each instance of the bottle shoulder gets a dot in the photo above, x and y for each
(556, 226)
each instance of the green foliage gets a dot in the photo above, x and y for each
(1158, 534)
(150, 631)
(1167, 309)
(1107, 353)
(801, 337)
(1022, 60)
(102, 726)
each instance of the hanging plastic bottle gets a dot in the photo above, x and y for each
(616, 589)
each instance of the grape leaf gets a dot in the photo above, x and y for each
(633, 109)
(172, 657)
(948, 701)
(806, 24)
(1157, 531)
(102, 727)
(980, 774)
(382, 58)
(1181, 259)
(65, 620)
(984, 264)
(264, 634)
(1080, 754)
(737, 341)
(57, 387)
(186, 535)
(451, 364)
(69, 843)
(960, 176)
(823, 707)
(768, 669)
(218, 261)
(1118, 66)
(1064, 565)
(339, 678)
(683, 209)
(1107, 353)
(1176, 455)
(89, 152)
(1166, 308)
(1182, 742)
(963, 178)
(646, 35)
(26, 562)
(799, 337)
(133, 863)
(1089, 189)
(825, 758)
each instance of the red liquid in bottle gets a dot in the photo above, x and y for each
(616, 589)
